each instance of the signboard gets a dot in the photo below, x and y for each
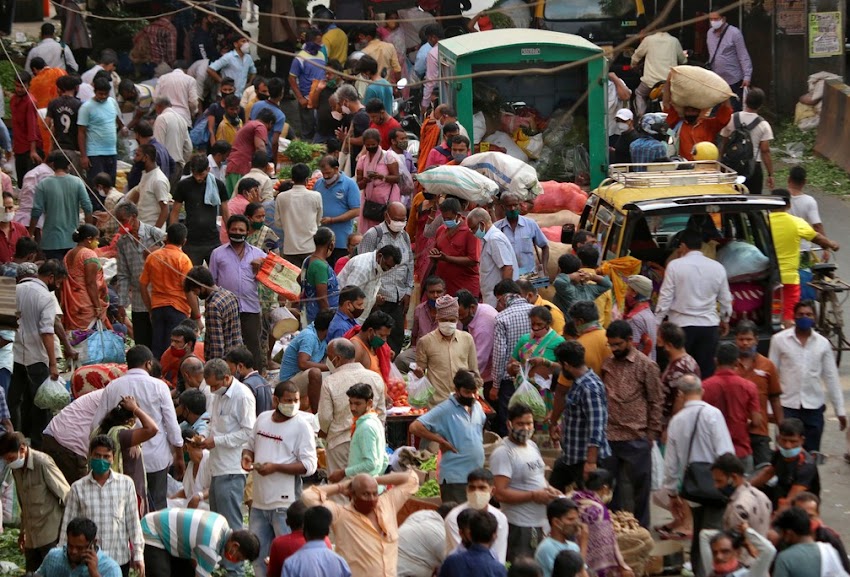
(826, 34)
(791, 17)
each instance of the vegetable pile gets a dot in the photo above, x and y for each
(429, 489)
(429, 465)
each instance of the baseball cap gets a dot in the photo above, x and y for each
(624, 114)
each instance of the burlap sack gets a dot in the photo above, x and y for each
(697, 87)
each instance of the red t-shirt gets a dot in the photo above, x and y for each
(461, 243)
(239, 161)
(385, 128)
(7, 243)
(737, 398)
(283, 547)
(171, 364)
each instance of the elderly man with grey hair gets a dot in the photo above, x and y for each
(335, 418)
(232, 418)
(355, 123)
(524, 234)
(192, 377)
(696, 434)
(498, 259)
(172, 130)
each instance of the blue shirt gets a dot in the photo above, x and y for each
(383, 91)
(314, 559)
(421, 63)
(524, 238)
(100, 121)
(477, 560)
(237, 67)
(307, 341)
(548, 550)
(305, 70)
(341, 324)
(56, 564)
(337, 199)
(462, 429)
(279, 119)
(647, 149)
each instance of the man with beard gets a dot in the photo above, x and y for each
(366, 529)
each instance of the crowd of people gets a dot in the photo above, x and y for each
(209, 413)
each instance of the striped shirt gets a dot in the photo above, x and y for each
(511, 323)
(131, 261)
(193, 534)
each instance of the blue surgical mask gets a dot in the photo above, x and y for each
(790, 453)
(480, 233)
(432, 303)
(450, 223)
(804, 323)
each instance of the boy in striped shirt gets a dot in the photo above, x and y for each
(192, 541)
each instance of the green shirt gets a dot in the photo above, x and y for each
(59, 199)
(567, 293)
(368, 452)
(801, 560)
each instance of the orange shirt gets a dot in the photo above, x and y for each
(171, 363)
(43, 89)
(705, 130)
(166, 285)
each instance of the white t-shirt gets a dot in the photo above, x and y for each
(759, 134)
(280, 443)
(524, 466)
(421, 544)
(806, 207)
(499, 548)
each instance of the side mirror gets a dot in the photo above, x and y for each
(568, 231)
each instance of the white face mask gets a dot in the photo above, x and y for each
(220, 391)
(17, 463)
(330, 364)
(8, 216)
(448, 328)
(478, 500)
(287, 409)
(345, 109)
(716, 24)
(396, 225)
(246, 47)
(336, 115)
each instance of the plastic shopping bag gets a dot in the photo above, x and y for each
(419, 391)
(52, 395)
(102, 346)
(528, 395)
(657, 467)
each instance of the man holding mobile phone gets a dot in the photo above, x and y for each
(81, 549)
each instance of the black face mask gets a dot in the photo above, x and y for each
(429, 196)
(691, 118)
(371, 150)
(237, 238)
(262, 96)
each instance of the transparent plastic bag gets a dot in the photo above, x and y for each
(657, 467)
(52, 395)
(528, 395)
(419, 391)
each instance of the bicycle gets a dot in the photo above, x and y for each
(830, 320)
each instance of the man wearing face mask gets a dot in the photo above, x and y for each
(794, 467)
(340, 203)
(241, 363)
(443, 352)
(697, 125)
(479, 491)
(368, 450)
(746, 503)
(368, 270)
(498, 260)
(41, 491)
(620, 151)
(520, 483)
(760, 370)
(396, 284)
(696, 434)
(355, 121)
(183, 343)
(366, 528)
(806, 364)
(221, 312)
(234, 266)
(565, 534)
(281, 448)
(334, 413)
(524, 235)
(728, 55)
(456, 425)
(351, 302)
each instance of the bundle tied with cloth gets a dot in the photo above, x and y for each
(696, 87)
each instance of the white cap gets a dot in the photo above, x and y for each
(624, 114)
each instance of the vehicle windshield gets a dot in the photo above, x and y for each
(589, 9)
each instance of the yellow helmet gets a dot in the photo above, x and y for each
(705, 151)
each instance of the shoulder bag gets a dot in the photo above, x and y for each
(697, 482)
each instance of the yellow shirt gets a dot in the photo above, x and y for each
(442, 358)
(384, 53)
(787, 230)
(368, 552)
(336, 42)
(596, 350)
(558, 320)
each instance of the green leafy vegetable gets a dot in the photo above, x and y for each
(429, 489)
(429, 465)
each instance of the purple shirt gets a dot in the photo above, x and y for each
(482, 328)
(732, 62)
(422, 323)
(236, 275)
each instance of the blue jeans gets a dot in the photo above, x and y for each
(812, 424)
(226, 492)
(266, 524)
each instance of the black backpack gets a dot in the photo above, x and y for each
(740, 152)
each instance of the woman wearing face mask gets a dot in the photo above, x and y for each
(119, 425)
(84, 293)
(456, 251)
(721, 552)
(377, 176)
(603, 554)
(541, 342)
(321, 288)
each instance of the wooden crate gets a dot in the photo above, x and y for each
(415, 504)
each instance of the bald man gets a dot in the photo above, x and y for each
(192, 375)
(366, 528)
(334, 414)
(498, 259)
(397, 283)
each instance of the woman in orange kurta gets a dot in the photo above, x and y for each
(43, 89)
(84, 292)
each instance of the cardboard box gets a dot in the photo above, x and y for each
(8, 308)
